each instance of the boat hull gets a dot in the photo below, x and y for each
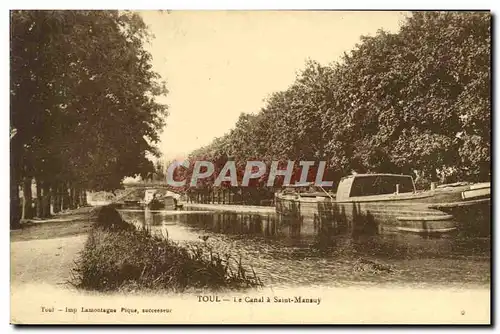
(433, 212)
(167, 203)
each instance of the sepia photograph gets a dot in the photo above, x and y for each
(250, 167)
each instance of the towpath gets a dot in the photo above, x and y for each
(231, 208)
(44, 251)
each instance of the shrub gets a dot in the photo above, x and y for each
(109, 219)
(134, 259)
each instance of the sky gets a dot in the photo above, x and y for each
(219, 64)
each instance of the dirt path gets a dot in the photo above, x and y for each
(45, 251)
(44, 261)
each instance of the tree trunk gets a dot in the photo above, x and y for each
(80, 197)
(484, 172)
(56, 198)
(84, 198)
(70, 199)
(27, 199)
(52, 200)
(71, 202)
(433, 175)
(15, 214)
(74, 197)
(38, 198)
(64, 196)
(46, 199)
(60, 200)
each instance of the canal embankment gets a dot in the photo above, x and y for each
(95, 249)
(231, 208)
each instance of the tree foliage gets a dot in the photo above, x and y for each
(83, 98)
(416, 100)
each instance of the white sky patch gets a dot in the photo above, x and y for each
(218, 64)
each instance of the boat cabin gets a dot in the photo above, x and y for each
(374, 184)
(157, 199)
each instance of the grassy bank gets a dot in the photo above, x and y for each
(129, 259)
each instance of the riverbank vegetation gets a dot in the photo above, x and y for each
(414, 102)
(117, 256)
(84, 110)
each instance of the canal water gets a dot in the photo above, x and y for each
(292, 253)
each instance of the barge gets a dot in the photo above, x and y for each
(390, 202)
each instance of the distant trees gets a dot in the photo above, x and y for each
(83, 105)
(417, 100)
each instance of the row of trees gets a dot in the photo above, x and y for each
(416, 101)
(84, 111)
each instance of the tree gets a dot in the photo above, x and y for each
(416, 100)
(83, 100)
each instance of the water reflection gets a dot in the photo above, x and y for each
(295, 249)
